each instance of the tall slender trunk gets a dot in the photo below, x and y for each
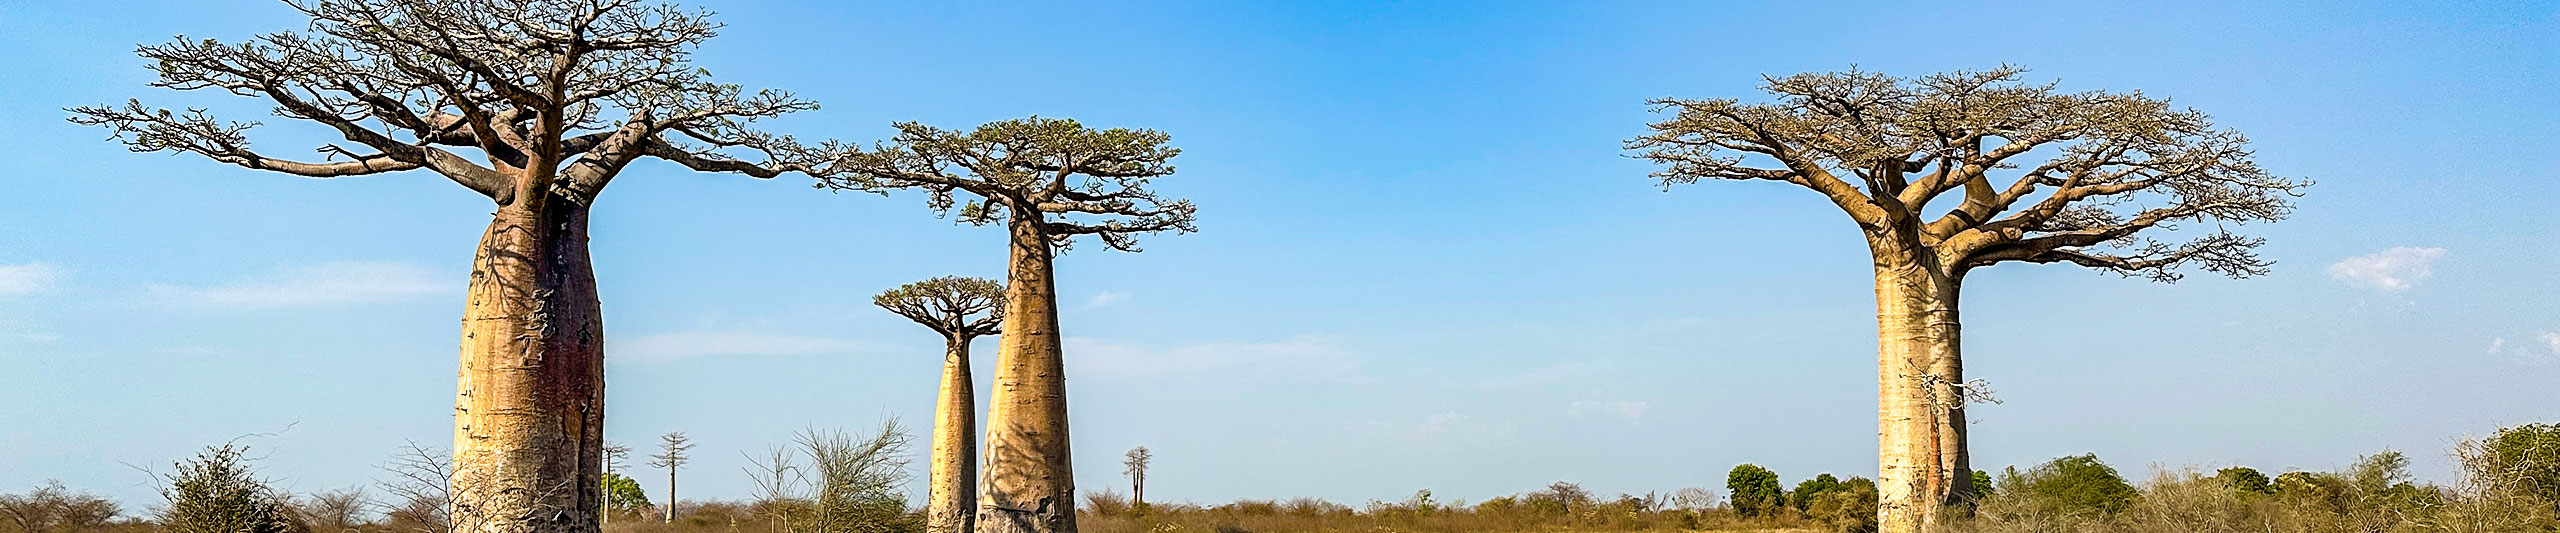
(671, 496)
(1921, 464)
(528, 423)
(1029, 485)
(951, 499)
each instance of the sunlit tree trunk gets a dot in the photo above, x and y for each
(1921, 460)
(1029, 486)
(953, 494)
(529, 410)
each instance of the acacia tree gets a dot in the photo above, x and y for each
(961, 309)
(533, 104)
(1049, 181)
(2088, 174)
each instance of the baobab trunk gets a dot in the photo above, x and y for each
(528, 422)
(1921, 462)
(1029, 485)
(953, 495)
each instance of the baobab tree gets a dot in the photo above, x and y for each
(534, 104)
(674, 450)
(1136, 468)
(2096, 179)
(1048, 181)
(961, 309)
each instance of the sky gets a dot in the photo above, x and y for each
(1424, 258)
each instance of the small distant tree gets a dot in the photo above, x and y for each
(51, 508)
(614, 457)
(2244, 479)
(1136, 468)
(2075, 484)
(336, 511)
(217, 492)
(1048, 181)
(674, 449)
(1982, 486)
(961, 309)
(1807, 490)
(853, 482)
(1693, 499)
(1753, 490)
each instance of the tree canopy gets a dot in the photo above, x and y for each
(947, 303)
(2091, 169)
(1095, 181)
(556, 96)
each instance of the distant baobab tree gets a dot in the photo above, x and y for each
(1048, 181)
(2092, 171)
(614, 455)
(554, 98)
(1137, 470)
(674, 449)
(961, 309)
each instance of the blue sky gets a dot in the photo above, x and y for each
(1425, 262)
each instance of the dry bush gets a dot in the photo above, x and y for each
(51, 508)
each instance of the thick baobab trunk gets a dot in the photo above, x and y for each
(1029, 485)
(953, 495)
(528, 421)
(1920, 414)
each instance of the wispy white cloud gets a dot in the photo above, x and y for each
(2550, 342)
(684, 344)
(2391, 270)
(31, 337)
(27, 278)
(324, 284)
(1463, 427)
(1302, 358)
(1106, 298)
(1628, 410)
(1537, 378)
(2497, 344)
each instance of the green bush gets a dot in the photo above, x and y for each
(1807, 490)
(623, 495)
(2245, 479)
(1847, 507)
(1981, 485)
(1754, 490)
(217, 493)
(2071, 485)
(2527, 456)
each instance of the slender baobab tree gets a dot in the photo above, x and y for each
(614, 455)
(1136, 468)
(533, 104)
(674, 449)
(2089, 173)
(1048, 181)
(961, 309)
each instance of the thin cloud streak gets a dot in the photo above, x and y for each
(325, 284)
(690, 344)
